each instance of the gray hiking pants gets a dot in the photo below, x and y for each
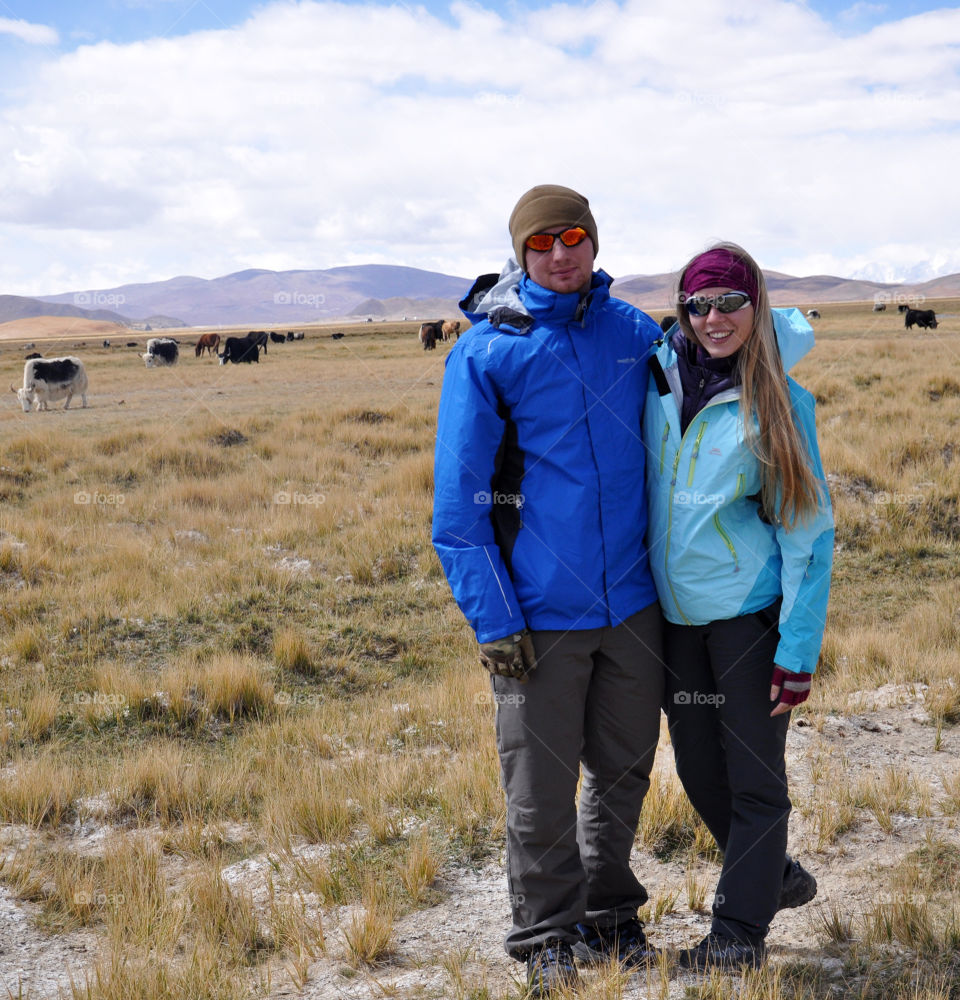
(593, 703)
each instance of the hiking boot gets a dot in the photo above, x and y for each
(550, 967)
(624, 942)
(718, 952)
(799, 887)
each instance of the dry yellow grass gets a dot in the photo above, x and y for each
(225, 634)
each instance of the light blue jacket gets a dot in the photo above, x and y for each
(538, 514)
(711, 553)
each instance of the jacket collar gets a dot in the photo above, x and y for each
(512, 303)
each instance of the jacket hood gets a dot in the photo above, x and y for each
(511, 302)
(496, 298)
(794, 335)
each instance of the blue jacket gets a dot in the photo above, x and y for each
(539, 514)
(712, 554)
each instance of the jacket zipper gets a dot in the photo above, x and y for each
(727, 540)
(721, 531)
(696, 453)
(673, 483)
(663, 444)
(666, 552)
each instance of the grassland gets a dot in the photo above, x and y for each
(247, 750)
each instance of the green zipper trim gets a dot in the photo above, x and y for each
(696, 452)
(726, 539)
(666, 551)
(663, 444)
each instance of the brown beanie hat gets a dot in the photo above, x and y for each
(545, 206)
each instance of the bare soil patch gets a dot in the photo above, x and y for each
(64, 328)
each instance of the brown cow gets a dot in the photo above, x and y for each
(451, 327)
(208, 341)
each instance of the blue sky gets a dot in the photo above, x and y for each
(141, 139)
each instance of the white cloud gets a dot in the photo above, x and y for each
(317, 134)
(33, 34)
(862, 9)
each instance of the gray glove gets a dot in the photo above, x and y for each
(511, 656)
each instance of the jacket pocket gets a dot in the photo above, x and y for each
(727, 540)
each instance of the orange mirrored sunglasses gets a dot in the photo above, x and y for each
(542, 242)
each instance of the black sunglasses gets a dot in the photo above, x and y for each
(700, 305)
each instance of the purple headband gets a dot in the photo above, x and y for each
(719, 269)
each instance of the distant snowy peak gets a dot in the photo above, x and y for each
(912, 273)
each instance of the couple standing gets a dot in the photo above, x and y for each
(629, 527)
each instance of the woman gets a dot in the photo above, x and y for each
(740, 540)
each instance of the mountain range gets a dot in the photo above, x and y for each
(656, 291)
(380, 291)
(282, 297)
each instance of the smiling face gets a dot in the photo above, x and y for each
(561, 269)
(722, 334)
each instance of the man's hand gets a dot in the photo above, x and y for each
(788, 689)
(511, 656)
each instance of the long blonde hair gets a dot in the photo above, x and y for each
(785, 467)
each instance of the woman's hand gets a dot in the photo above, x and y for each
(787, 689)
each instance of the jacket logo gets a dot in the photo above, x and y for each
(626, 361)
(716, 451)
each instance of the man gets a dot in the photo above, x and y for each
(539, 521)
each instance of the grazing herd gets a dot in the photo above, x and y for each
(47, 380)
(438, 330)
(164, 351)
(923, 319)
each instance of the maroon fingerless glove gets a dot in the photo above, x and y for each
(794, 687)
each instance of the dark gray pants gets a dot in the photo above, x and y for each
(730, 758)
(592, 703)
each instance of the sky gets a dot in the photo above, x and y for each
(145, 139)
